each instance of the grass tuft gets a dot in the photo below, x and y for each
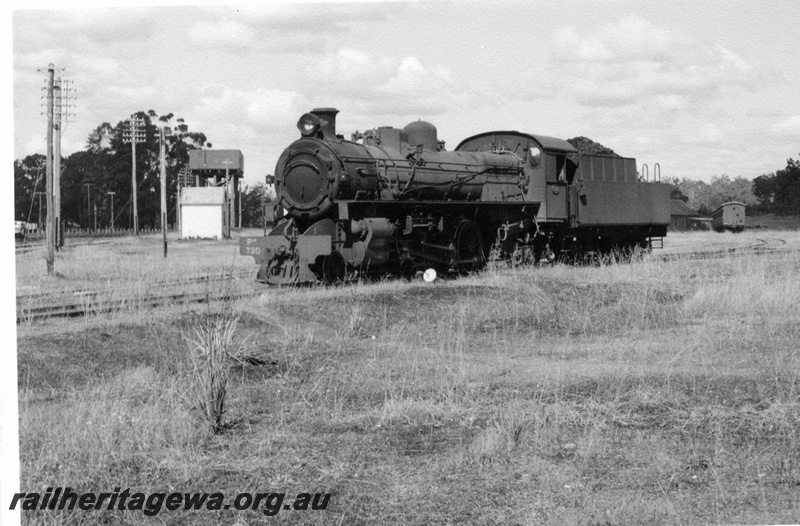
(210, 347)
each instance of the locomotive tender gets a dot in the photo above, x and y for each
(394, 200)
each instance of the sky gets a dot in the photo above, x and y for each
(703, 88)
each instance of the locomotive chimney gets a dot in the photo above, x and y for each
(327, 121)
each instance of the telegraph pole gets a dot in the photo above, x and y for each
(88, 205)
(112, 210)
(61, 114)
(163, 190)
(51, 224)
(134, 134)
(183, 180)
(40, 222)
(228, 205)
(57, 164)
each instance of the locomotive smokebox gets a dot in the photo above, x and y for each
(327, 120)
(424, 133)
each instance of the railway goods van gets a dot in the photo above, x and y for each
(729, 216)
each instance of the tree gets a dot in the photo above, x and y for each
(253, 199)
(765, 189)
(29, 178)
(707, 197)
(101, 138)
(779, 192)
(103, 171)
(105, 165)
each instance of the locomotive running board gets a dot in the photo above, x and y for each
(345, 207)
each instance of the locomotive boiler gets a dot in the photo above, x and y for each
(393, 200)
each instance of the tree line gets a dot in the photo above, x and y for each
(93, 178)
(775, 193)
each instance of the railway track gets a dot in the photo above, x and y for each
(84, 309)
(96, 301)
(25, 248)
(759, 248)
(84, 302)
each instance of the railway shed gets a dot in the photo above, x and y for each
(204, 213)
(681, 216)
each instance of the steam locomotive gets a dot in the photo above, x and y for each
(392, 201)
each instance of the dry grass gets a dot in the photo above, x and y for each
(127, 263)
(650, 393)
(774, 222)
(210, 355)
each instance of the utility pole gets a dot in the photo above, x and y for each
(57, 163)
(51, 224)
(228, 206)
(183, 180)
(112, 210)
(88, 205)
(95, 217)
(162, 156)
(40, 223)
(239, 192)
(133, 134)
(61, 108)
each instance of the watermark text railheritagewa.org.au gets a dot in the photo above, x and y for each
(58, 499)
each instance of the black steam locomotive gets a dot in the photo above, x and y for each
(394, 201)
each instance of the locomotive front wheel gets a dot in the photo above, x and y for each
(333, 268)
(407, 269)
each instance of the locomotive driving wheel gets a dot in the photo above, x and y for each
(468, 246)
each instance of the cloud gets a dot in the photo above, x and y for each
(790, 126)
(134, 94)
(102, 27)
(635, 61)
(222, 33)
(383, 85)
(631, 38)
(287, 28)
(96, 65)
(258, 108)
(707, 133)
(35, 60)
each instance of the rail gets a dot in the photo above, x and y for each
(759, 248)
(83, 302)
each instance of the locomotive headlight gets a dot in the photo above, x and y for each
(308, 125)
